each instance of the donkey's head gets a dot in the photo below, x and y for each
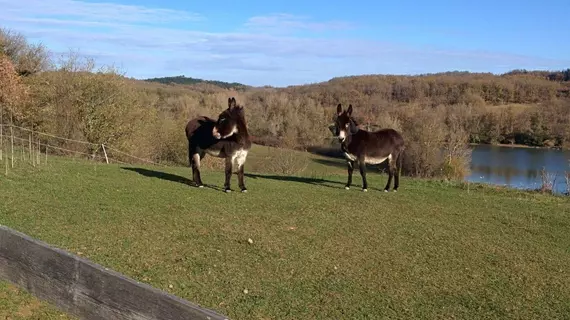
(344, 124)
(228, 121)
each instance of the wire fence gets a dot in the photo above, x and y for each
(19, 144)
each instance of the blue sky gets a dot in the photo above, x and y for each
(297, 42)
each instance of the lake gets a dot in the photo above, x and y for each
(518, 167)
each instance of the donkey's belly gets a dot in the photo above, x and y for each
(213, 152)
(377, 160)
(368, 159)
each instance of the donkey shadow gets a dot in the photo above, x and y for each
(166, 176)
(307, 180)
(376, 168)
(338, 162)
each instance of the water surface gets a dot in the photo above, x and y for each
(518, 167)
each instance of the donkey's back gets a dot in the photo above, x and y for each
(387, 139)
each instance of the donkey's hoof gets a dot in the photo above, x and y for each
(227, 190)
(243, 190)
(346, 188)
(395, 190)
(200, 186)
(364, 190)
(385, 190)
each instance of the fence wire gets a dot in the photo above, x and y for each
(37, 144)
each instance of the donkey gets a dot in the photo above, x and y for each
(226, 138)
(368, 147)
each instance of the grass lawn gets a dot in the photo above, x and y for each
(432, 250)
(16, 304)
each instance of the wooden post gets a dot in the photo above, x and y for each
(105, 152)
(6, 158)
(46, 152)
(30, 147)
(39, 153)
(12, 139)
(1, 129)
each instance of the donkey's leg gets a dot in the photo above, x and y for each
(195, 162)
(391, 162)
(390, 176)
(239, 162)
(194, 158)
(397, 173)
(350, 165)
(240, 179)
(228, 174)
(362, 166)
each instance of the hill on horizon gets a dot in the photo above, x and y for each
(554, 75)
(190, 81)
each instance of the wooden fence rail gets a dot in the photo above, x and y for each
(83, 288)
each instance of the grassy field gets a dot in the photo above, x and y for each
(16, 304)
(432, 250)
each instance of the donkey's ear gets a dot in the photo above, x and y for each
(339, 109)
(349, 111)
(231, 102)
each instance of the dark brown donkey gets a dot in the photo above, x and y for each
(225, 138)
(368, 147)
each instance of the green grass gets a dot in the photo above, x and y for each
(432, 250)
(17, 304)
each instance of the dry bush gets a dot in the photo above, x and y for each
(424, 135)
(456, 151)
(78, 102)
(567, 180)
(282, 120)
(434, 147)
(27, 58)
(388, 121)
(283, 161)
(162, 141)
(548, 181)
(12, 90)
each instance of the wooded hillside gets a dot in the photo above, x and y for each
(190, 80)
(436, 112)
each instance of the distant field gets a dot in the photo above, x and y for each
(432, 250)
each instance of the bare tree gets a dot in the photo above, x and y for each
(27, 58)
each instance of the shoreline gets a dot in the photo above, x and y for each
(518, 146)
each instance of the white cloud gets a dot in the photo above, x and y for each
(92, 12)
(263, 50)
(286, 23)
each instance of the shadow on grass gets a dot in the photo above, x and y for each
(307, 180)
(166, 176)
(377, 168)
(331, 163)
